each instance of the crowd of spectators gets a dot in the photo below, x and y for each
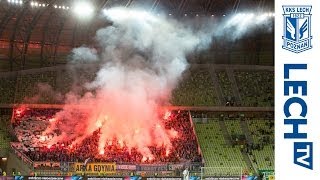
(29, 124)
(7, 87)
(35, 88)
(197, 89)
(226, 87)
(256, 88)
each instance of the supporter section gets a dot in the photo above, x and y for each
(30, 124)
(222, 141)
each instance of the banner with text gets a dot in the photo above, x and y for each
(104, 168)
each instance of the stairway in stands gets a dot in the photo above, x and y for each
(216, 150)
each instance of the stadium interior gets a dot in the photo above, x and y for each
(218, 116)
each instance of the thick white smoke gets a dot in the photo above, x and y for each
(237, 25)
(84, 54)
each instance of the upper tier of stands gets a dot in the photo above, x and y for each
(256, 87)
(201, 85)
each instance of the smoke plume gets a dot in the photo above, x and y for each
(142, 58)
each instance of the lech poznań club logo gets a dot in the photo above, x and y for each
(297, 28)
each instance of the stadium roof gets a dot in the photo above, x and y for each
(44, 31)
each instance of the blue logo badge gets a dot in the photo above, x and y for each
(303, 154)
(297, 28)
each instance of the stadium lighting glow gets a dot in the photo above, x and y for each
(83, 9)
(262, 17)
(119, 14)
(55, 6)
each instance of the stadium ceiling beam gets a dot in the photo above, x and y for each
(206, 6)
(155, 5)
(181, 6)
(236, 6)
(58, 41)
(9, 12)
(44, 35)
(74, 32)
(221, 6)
(129, 3)
(21, 35)
(261, 5)
(50, 36)
(104, 4)
(34, 22)
(13, 38)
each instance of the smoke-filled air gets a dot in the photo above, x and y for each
(142, 57)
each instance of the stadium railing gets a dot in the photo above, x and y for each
(21, 156)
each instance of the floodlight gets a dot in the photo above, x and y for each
(83, 9)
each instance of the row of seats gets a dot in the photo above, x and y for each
(36, 88)
(217, 152)
(225, 84)
(233, 127)
(256, 88)
(4, 139)
(197, 89)
(262, 132)
(7, 89)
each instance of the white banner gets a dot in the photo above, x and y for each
(297, 89)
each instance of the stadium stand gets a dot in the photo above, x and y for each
(48, 86)
(226, 86)
(73, 78)
(196, 90)
(216, 151)
(7, 89)
(233, 127)
(4, 138)
(256, 87)
(30, 125)
(261, 152)
(35, 87)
